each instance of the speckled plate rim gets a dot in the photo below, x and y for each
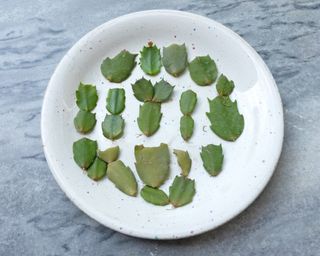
(141, 233)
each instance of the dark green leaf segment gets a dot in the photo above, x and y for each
(118, 68)
(188, 101)
(212, 158)
(203, 70)
(150, 59)
(84, 152)
(226, 121)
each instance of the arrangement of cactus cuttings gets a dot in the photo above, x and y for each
(152, 164)
(152, 97)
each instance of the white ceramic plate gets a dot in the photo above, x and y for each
(249, 162)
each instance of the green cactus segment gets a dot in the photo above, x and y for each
(162, 91)
(224, 86)
(181, 191)
(184, 161)
(116, 100)
(112, 127)
(188, 101)
(186, 127)
(109, 155)
(175, 59)
(212, 158)
(154, 196)
(226, 121)
(122, 177)
(149, 118)
(119, 68)
(150, 60)
(203, 70)
(143, 90)
(87, 97)
(84, 121)
(97, 170)
(152, 164)
(84, 152)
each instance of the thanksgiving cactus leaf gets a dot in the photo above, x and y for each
(150, 59)
(143, 90)
(175, 59)
(212, 159)
(188, 101)
(118, 68)
(224, 86)
(203, 70)
(84, 121)
(84, 152)
(154, 196)
(149, 118)
(162, 91)
(226, 121)
(116, 100)
(122, 177)
(184, 161)
(186, 127)
(112, 126)
(87, 97)
(181, 191)
(152, 164)
(97, 170)
(110, 154)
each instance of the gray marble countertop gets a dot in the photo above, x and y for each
(36, 218)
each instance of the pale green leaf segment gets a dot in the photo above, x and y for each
(150, 59)
(226, 121)
(152, 96)
(184, 161)
(154, 196)
(110, 154)
(203, 70)
(212, 158)
(112, 126)
(118, 68)
(175, 59)
(122, 177)
(152, 164)
(181, 191)
(116, 100)
(188, 101)
(97, 170)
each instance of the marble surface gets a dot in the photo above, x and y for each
(36, 218)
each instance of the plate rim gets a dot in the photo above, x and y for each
(143, 234)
